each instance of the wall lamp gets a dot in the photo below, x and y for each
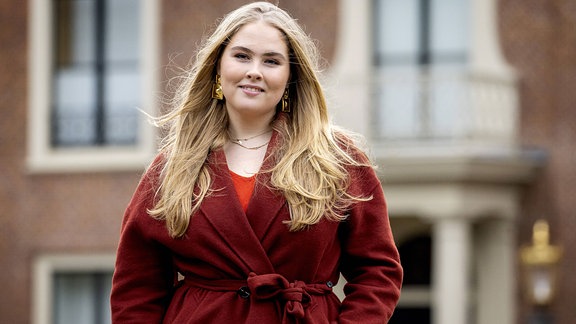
(540, 264)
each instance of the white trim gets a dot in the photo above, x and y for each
(348, 89)
(43, 270)
(486, 56)
(41, 157)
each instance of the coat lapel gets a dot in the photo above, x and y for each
(223, 211)
(266, 203)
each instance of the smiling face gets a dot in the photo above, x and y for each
(254, 70)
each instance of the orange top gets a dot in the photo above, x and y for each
(244, 188)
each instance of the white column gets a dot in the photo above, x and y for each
(495, 254)
(490, 72)
(451, 243)
(349, 78)
(485, 51)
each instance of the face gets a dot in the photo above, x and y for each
(254, 71)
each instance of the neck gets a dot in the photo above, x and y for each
(248, 132)
(244, 125)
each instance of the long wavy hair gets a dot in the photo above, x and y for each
(310, 162)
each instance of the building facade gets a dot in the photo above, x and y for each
(467, 106)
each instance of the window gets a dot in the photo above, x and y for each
(421, 50)
(72, 289)
(95, 73)
(81, 297)
(92, 70)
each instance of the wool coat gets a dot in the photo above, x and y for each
(239, 267)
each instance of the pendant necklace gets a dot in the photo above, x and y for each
(240, 141)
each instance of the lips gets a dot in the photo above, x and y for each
(251, 88)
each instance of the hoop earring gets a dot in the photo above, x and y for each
(217, 92)
(285, 102)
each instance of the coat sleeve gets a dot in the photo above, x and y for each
(143, 275)
(370, 259)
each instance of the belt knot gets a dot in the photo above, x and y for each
(295, 296)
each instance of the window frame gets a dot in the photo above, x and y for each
(420, 78)
(44, 268)
(424, 53)
(42, 157)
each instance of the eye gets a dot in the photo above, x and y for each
(272, 62)
(241, 56)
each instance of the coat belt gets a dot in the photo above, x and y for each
(294, 296)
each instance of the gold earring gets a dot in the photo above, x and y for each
(285, 102)
(217, 92)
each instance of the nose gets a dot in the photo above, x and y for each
(254, 72)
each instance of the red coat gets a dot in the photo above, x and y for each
(248, 268)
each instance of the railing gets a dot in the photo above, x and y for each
(76, 128)
(443, 106)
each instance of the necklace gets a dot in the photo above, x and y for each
(240, 140)
(239, 143)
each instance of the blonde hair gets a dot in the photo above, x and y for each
(310, 162)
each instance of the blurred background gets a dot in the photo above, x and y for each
(467, 105)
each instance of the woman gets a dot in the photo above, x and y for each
(255, 204)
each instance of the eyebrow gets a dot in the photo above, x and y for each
(271, 53)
